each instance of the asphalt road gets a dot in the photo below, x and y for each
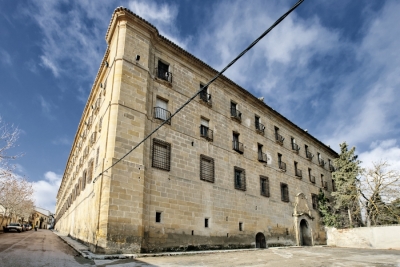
(41, 248)
(44, 248)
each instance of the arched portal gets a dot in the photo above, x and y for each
(260, 241)
(305, 233)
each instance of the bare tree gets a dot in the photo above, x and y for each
(16, 192)
(379, 189)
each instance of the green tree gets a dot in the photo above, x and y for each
(326, 211)
(346, 197)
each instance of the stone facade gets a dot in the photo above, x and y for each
(154, 199)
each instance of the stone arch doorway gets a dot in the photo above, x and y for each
(260, 241)
(305, 233)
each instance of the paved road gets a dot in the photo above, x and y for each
(44, 248)
(41, 248)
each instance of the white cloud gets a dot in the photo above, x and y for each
(5, 57)
(386, 150)
(45, 190)
(46, 107)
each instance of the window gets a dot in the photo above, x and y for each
(281, 164)
(279, 138)
(284, 192)
(97, 155)
(163, 71)
(333, 186)
(321, 160)
(206, 168)
(264, 186)
(312, 178)
(261, 156)
(322, 180)
(259, 127)
(240, 178)
(206, 222)
(204, 95)
(90, 171)
(161, 155)
(84, 180)
(309, 156)
(314, 199)
(158, 216)
(205, 130)
(234, 112)
(240, 226)
(161, 110)
(297, 172)
(295, 147)
(236, 145)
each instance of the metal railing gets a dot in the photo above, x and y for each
(312, 179)
(237, 146)
(205, 98)
(164, 75)
(309, 155)
(262, 157)
(331, 168)
(321, 162)
(206, 132)
(279, 138)
(236, 114)
(299, 173)
(259, 127)
(295, 147)
(282, 165)
(162, 114)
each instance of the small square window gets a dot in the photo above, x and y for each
(158, 217)
(284, 192)
(206, 222)
(240, 226)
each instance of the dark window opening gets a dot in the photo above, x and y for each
(284, 192)
(261, 156)
(158, 217)
(234, 112)
(240, 178)
(240, 226)
(163, 71)
(314, 199)
(204, 95)
(264, 186)
(206, 222)
(279, 138)
(281, 164)
(259, 127)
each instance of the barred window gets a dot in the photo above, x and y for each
(314, 199)
(161, 155)
(240, 178)
(264, 186)
(284, 192)
(206, 168)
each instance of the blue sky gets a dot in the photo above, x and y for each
(331, 67)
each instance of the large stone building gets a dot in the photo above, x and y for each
(227, 171)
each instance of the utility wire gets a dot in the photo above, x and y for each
(205, 86)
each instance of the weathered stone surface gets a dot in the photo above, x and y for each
(117, 213)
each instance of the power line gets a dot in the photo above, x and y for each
(210, 82)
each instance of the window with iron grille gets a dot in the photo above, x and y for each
(240, 178)
(206, 168)
(235, 113)
(204, 95)
(284, 192)
(264, 186)
(314, 199)
(161, 155)
(161, 110)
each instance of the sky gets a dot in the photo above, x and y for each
(331, 67)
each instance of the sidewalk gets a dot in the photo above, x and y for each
(84, 251)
